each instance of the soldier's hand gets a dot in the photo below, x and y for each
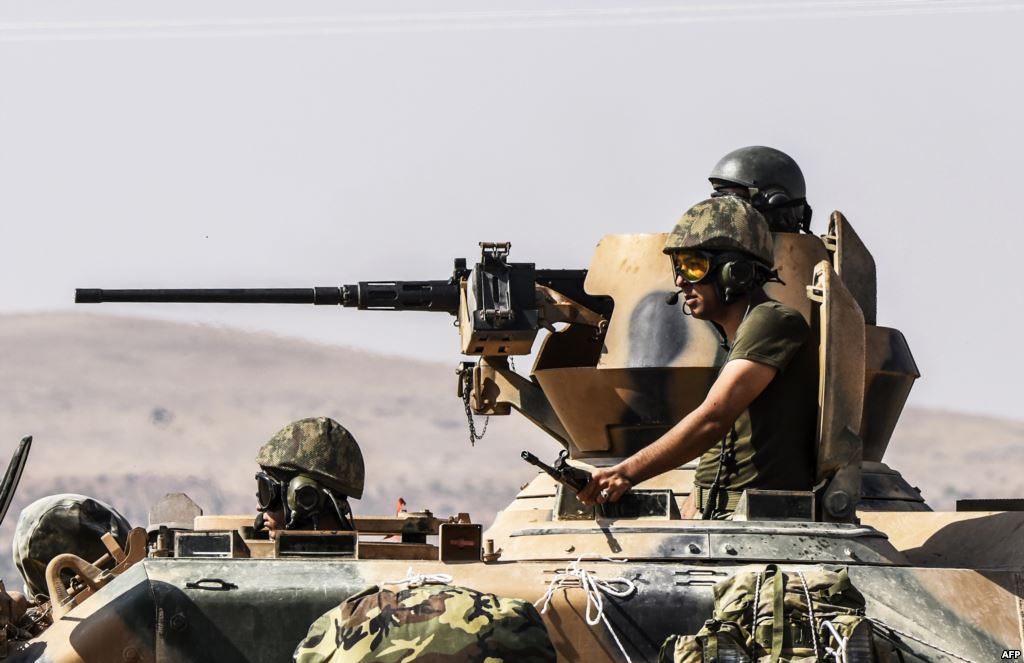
(605, 485)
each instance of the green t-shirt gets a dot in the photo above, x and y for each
(771, 445)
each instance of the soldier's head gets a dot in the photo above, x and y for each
(309, 469)
(721, 253)
(771, 180)
(59, 524)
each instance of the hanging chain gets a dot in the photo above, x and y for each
(467, 385)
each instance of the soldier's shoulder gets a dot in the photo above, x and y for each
(772, 317)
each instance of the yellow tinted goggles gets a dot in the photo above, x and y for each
(692, 266)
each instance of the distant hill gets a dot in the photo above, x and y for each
(127, 409)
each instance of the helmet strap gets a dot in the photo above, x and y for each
(342, 510)
(723, 339)
(805, 220)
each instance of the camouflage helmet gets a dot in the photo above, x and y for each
(726, 223)
(759, 167)
(435, 622)
(321, 448)
(58, 524)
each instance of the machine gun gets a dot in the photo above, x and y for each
(499, 305)
(561, 471)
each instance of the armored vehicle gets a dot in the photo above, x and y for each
(615, 368)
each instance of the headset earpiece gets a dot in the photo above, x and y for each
(777, 198)
(766, 199)
(737, 278)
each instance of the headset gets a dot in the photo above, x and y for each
(735, 276)
(738, 276)
(303, 500)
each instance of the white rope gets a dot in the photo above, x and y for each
(416, 580)
(810, 610)
(595, 589)
(839, 654)
(757, 602)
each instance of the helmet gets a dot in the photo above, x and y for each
(59, 524)
(726, 223)
(320, 448)
(762, 168)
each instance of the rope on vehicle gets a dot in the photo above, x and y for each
(757, 598)
(416, 579)
(840, 653)
(595, 588)
(810, 611)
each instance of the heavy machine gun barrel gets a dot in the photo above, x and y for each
(500, 305)
(440, 296)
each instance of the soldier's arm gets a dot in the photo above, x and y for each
(739, 383)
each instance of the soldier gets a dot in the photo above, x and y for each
(59, 524)
(771, 180)
(309, 469)
(756, 427)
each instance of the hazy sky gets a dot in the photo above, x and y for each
(251, 143)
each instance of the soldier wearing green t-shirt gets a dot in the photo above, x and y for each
(756, 427)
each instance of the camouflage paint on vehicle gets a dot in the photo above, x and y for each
(152, 612)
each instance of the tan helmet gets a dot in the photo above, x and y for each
(724, 223)
(320, 448)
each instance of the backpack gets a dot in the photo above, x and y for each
(435, 622)
(767, 615)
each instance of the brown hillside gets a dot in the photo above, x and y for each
(127, 409)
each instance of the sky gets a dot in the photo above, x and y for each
(233, 144)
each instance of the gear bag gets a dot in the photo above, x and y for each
(767, 615)
(435, 622)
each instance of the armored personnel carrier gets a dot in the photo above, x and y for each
(615, 369)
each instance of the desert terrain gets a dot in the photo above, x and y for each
(128, 409)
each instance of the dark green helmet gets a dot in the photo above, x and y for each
(726, 223)
(761, 168)
(320, 448)
(59, 524)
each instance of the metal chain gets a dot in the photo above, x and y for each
(466, 386)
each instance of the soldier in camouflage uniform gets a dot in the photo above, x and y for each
(58, 524)
(309, 469)
(439, 623)
(756, 427)
(770, 180)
